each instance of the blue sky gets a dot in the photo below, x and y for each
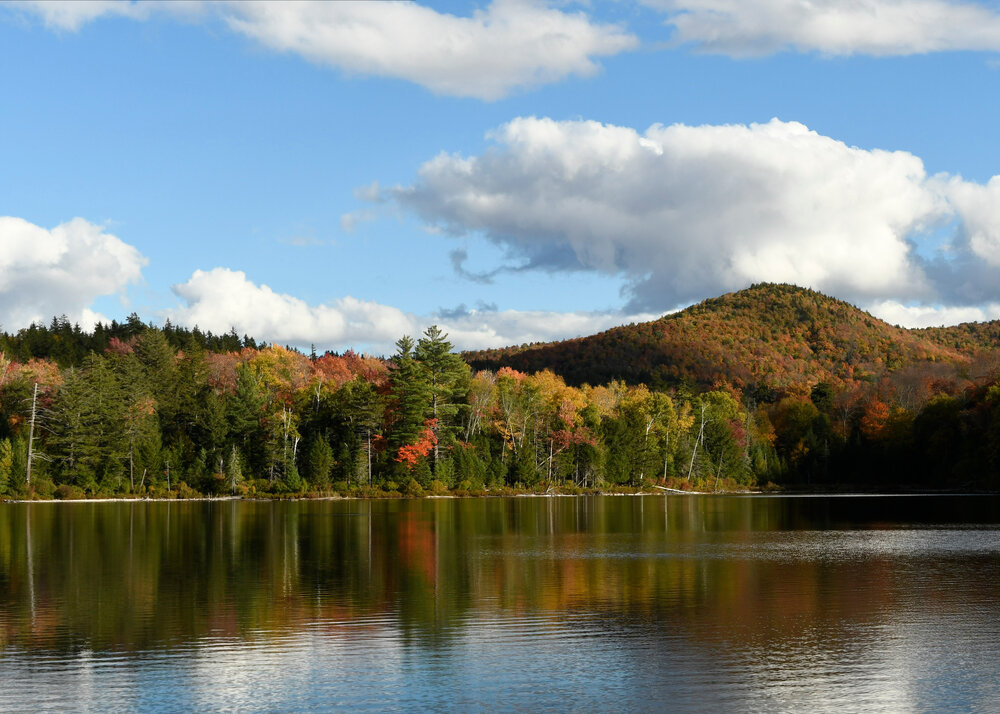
(340, 174)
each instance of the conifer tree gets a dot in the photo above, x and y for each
(447, 377)
(6, 464)
(234, 471)
(412, 396)
(320, 462)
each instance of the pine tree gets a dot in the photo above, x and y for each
(234, 471)
(412, 396)
(320, 462)
(364, 408)
(447, 377)
(6, 464)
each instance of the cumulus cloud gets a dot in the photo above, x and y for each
(485, 328)
(979, 206)
(685, 212)
(509, 45)
(221, 299)
(896, 313)
(60, 271)
(833, 27)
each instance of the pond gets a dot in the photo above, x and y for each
(611, 603)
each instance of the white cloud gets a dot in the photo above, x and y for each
(833, 27)
(485, 329)
(896, 313)
(511, 44)
(71, 15)
(684, 212)
(979, 206)
(60, 271)
(349, 221)
(221, 299)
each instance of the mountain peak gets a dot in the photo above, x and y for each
(771, 338)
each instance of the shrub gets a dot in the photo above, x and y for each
(413, 488)
(68, 492)
(42, 487)
(185, 491)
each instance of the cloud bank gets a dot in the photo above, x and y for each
(510, 45)
(683, 212)
(742, 28)
(221, 299)
(60, 271)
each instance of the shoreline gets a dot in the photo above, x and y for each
(662, 491)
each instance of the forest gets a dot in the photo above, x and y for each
(136, 410)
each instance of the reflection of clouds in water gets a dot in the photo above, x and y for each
(48, 683)
(854, 545)
(586, 605)
(927, 643)
(823, 670)
(775, 545)
(360, 661)
(919, 650)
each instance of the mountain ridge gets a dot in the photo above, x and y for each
(768, 338)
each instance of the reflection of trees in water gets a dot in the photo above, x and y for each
(126, 576)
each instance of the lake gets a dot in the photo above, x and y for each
(611, 603)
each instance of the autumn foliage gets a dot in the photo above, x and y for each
(771, 384)
(410, 454)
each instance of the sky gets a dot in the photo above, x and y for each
(342, 174)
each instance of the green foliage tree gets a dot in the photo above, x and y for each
(234, 470)
(6, 465)
(319, 462)
(411, 396)
(447, 378)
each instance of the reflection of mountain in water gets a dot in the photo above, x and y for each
(642, 589)
(161, 573)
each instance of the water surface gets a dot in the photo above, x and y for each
(693, 603)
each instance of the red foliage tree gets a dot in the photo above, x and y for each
(410, 454)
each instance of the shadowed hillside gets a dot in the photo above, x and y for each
(767, 338)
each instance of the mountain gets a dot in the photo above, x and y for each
(769, 338)
(968, 337)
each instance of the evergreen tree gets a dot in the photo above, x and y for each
(234, 471)
(244, 412)
(6, 464)
(363, 407)
(320, 462)
(411, 394)
(447, 378)
(101, 441)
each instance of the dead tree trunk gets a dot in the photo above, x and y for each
(31, 437)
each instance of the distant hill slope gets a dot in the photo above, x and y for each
(969, 337)
(775, 338)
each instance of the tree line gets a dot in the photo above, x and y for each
(162, 412)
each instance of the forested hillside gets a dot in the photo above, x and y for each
(969, 337)
(767, 340)
(67, 345)
(772, 384)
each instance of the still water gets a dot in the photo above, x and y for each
(694, 603)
